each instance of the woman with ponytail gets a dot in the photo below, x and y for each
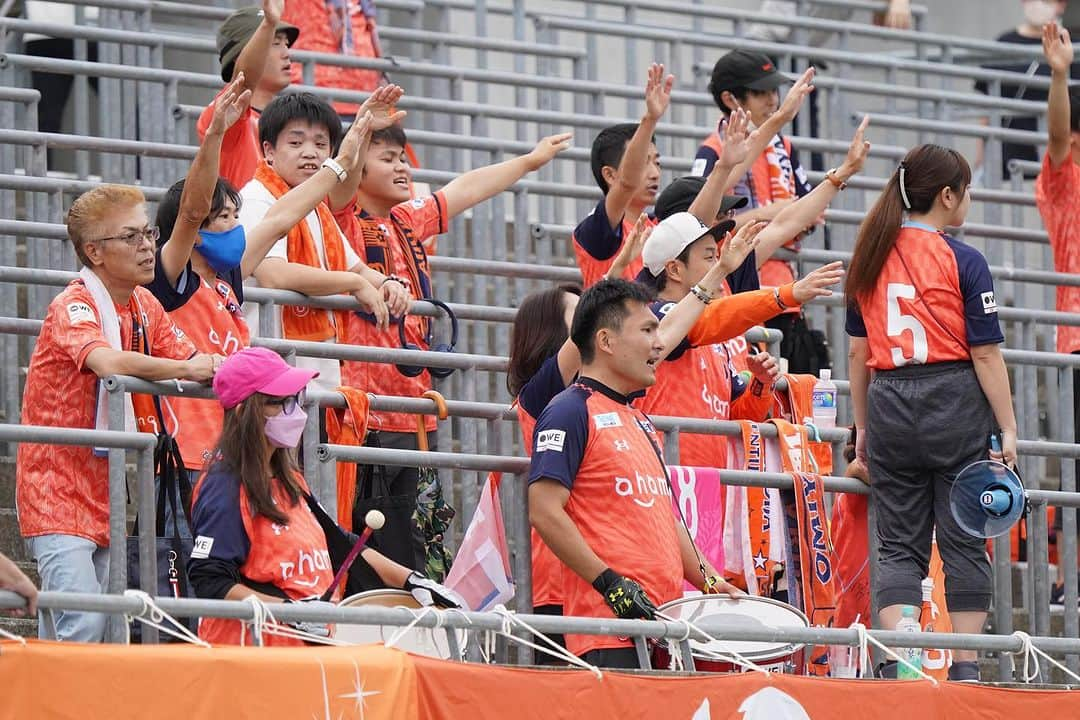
(928, 385)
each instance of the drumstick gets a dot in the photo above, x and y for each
(374, 520)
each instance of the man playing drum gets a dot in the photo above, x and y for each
(599, 494)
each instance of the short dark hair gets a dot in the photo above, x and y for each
(684, 257)
(393, 135)
(740, 94)
(287, 107)
(608, 149)
(169, 207)
(604, 307)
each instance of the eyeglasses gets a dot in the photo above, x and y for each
(137, 237)
(288, 404)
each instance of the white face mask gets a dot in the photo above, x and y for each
(1039, 12)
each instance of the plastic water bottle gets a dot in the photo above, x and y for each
(909, 622)
(824, 400)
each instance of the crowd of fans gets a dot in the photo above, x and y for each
(280, 197)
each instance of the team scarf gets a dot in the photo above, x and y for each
(375, 238)
(303, 323)
(348, 426)
(796, 405)
(752, 536)
(812, 559)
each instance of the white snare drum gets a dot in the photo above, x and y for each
(742, 613)
(418, 640)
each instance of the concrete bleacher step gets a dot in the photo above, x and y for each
(23, 627)
(11, 540)
(7, 482)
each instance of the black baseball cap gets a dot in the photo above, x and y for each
(745, 69)
(235, 32)
(679, 195)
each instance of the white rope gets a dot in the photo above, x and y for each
(11, 636)
(554, 649)
(729, 655)
(158, 618)
(865, 637)
(1030, 652)
(417, 617)
(260, 613)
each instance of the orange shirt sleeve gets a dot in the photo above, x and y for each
(425, 215)
(76, 329)
(733, 315)
(755, 408)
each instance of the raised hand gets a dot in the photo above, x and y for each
(1057, 47)
(657, 92)
(352, 145)
(898, 16)
(382, 104)
(631, 248)
(272, 10)
(736, 139)
(797, 95)
(735, 250)
(857, 152)
(548, 148)
(229, 106)
(817, 283)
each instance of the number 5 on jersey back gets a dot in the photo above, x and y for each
(898, 322)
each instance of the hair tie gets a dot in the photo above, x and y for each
(903, 190)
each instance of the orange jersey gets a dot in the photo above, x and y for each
(547, 570)
(60, 488)
(241, 151)
(393, 246)
(607, 454)
(596, 244)
(338, 27)
(1057, 194)
(933, 300)
(292, 557)
(213, 321)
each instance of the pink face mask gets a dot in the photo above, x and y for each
(284, 430)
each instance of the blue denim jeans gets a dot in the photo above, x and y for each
(68, 563)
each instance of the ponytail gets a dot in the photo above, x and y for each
(914, 187)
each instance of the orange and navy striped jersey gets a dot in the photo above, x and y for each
(590, 440)
(933, 300)
(65, 488)
(292, 557)
(596, 243)
(1057, 195)
(399, 239)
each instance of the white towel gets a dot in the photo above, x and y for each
(110, 326)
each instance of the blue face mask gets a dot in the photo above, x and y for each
(223, 250)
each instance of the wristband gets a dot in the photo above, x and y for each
(393, 278)
(702, 294)
(336, 167)
(779, 301)
(837, 182)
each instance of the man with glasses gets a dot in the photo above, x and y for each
(104, 323)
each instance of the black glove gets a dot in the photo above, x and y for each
(624, 596)
(318, 629)
(428, 592)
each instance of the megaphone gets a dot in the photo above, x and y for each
(987, 498)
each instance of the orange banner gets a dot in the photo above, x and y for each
(45, 680)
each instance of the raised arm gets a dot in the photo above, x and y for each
(632, 166)
(198, 194)
(1057, 46)
(478, 185)
(252, 59)
(381, 105)
(801, 214)
(737, 145)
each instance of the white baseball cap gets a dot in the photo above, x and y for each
(669, 238)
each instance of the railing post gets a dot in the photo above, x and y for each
(147, 532)
(117, 515)
(1066, 539)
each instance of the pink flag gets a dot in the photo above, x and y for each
(481, 570)
(699, 495)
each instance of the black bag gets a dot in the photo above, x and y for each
(172, 546)
(400, 538)
(806, 350)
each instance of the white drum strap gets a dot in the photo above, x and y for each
(554, 649)
(1032, 653)
(153, 616)
(417, 617)
(865, 638)
(727, 655)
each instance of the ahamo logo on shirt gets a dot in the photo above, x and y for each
(644, 489)
(715, 404)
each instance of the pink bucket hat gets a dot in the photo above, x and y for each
(257, 369)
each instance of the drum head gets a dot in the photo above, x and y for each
(742, 613)
(421, 641)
